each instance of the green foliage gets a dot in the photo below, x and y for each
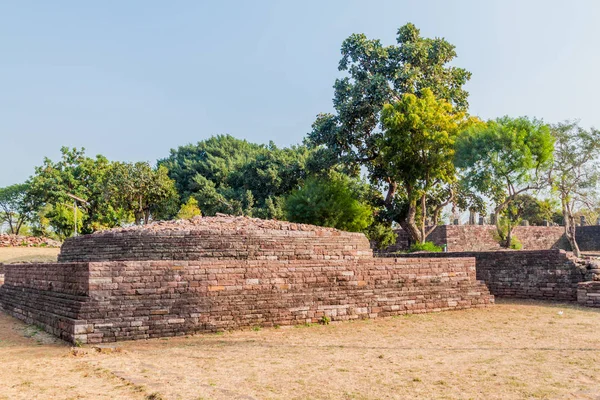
(417, 148)
(329, 202)
(381, 235)
(515, 243)
(78, 175)
(575, 174)
(189, 210)
(13, 209)
(427, 246)
(535, 211)
(324, 320)
(61, 218)
(377, 76)
(141, 190)
(233, 176)
(503, 159)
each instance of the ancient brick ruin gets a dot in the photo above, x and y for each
(210, 274)
(458, 238)
(529, 274)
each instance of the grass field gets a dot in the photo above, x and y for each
(28, 254)
(514, 350)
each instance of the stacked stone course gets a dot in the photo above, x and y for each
(588, 294)
(252, 279)
(218, 238)
(459, 238)
(528, 274)
(145, 299)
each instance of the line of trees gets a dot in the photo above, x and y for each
(400, 148)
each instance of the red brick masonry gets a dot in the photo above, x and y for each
(528, 274)
(93, 302)
(484, 238)
(588, 294)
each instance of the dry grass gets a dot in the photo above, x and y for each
(514, 350)
(28, 254)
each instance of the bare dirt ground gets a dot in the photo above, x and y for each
(28, 254)
(514, 350)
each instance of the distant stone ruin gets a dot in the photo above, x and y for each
(218, 273)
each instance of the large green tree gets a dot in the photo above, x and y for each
(575, 173)
(376, 75)
(233, 176)
(78, 175)
(417, 147)
(329, 201)
(143, 191)
(13, 210)
(504, 158)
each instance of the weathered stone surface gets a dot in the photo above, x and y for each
(143, 299)
(220, 238)
(210, 274)
(483, 238)
(588, 294)
(529, 274)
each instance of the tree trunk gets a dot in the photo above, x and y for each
(423, 218)
(506, 240)
(10, 223)
(570, 228)
(389, 198)
(409, 223)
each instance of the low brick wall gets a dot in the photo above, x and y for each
(208, 243)
(535, 274)
(96, 302)
(588, 294)
(483, 238)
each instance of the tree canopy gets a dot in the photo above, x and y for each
(417, 148)
(78, 175)
(575, 174)
(229, 175)
(329, 202)
(376, 75)
(504, 158)
(13, 209)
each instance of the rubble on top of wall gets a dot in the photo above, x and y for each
(220, 221)
(27, 241)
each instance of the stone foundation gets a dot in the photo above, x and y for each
(94, 302)
(535, 274)
(588, 294)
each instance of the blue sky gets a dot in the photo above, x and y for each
(132, 79)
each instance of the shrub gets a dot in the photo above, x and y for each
(189, 210)
(328, 202)
(515, 243)
(427, 246)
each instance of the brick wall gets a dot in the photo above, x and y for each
(108, 301)
(535, 274)
(588, 237)
(222, 244)
(483, 238)
(588, 294)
